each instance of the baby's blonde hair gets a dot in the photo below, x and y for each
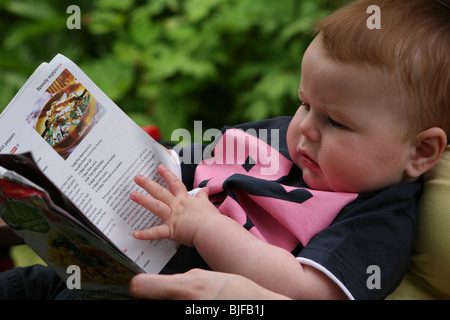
(412, 45)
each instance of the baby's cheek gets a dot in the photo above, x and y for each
(343, 174)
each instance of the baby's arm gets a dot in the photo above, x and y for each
(224, 244)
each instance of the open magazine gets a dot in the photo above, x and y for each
(68, 156)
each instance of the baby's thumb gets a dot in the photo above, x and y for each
(200, 192)
(203, 193)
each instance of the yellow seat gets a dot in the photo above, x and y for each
(428, 275)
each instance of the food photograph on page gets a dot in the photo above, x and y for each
(65, 114)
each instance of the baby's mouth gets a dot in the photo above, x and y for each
(307, 161)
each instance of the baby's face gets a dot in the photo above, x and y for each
(345, 135)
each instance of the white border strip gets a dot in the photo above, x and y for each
(319, 267)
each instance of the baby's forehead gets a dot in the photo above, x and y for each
(317, 66)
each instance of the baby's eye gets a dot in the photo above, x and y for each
(335, 124)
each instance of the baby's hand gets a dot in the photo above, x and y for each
(182, 214)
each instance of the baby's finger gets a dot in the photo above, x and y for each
(176, 186)
(159, 232)
(155, 206)
(158, 286)
(154, 189)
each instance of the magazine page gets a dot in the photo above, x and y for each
(91, 150)
(60, 240)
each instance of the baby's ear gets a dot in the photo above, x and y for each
(429, 145)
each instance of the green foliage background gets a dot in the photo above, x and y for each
(169, 62)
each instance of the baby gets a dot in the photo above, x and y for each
(337, 217)
(373, 118)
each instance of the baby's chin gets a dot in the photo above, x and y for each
(314, 182)
(317, 183)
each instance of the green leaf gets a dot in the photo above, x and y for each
(142, 30)
(120, 5)
(197, 10)
(10, 84)
(102, 22)
(114, 77)
(28, 30)
(28, 9)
